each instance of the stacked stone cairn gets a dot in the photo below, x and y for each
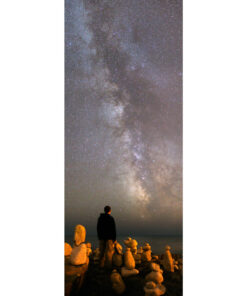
(117, 258)
(79, 251)
(132, 244)
(117, 282)
(167, 261)
(129, 264)
(147, 253)
(154, 281)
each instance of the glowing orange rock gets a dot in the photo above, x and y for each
(96, 254)
(67, 249)
(167, 261)
(155, 275)
(79, 250)
(89, 249)
(125, 272)
(129, 261)
(117, 258)
(147, 253)
(152, 289)
(132, 244)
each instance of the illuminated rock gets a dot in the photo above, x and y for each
(67, 249)
(155, 276)
(132, 244)
(147, 253)
(125, 272)
(129, 261)
(137, 258)
(79, 235)
(89, 249)
(175, 263)
(146, 247)
(155, 257)
(127, 242)
(79, 255)
(117, 258)
(117, 282)
(96, 254)
(79, 250)
(167, 260)
(152, 289)
(140, 250)
(118, 248)
(155, 267)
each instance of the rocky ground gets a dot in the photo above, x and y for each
(97, 281)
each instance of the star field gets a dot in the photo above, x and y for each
(123, 114)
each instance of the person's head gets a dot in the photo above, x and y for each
(107, 209)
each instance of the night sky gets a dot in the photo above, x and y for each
(123, 114)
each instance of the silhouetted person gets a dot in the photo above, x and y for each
(106, 230)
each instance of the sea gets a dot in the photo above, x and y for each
(157, 243)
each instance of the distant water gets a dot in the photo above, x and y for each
(157, 243)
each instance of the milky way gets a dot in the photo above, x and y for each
(123, 114)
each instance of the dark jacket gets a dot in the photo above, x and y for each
(106, 227)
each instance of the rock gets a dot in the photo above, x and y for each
(132, 244)
(117, 259)
(79, 255)
(140, 250)
(118, 248)
(129, 261)
(89, 249)
(79, 250)
(79, 235)
(147, 253)
(152, 289)
(167, 260)
(67, 249)
(96, 254)
(137, 258)
(127, 242)
(74, 276)
(117, 282)
(155, 276)
(125, 272)
(155, 267)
